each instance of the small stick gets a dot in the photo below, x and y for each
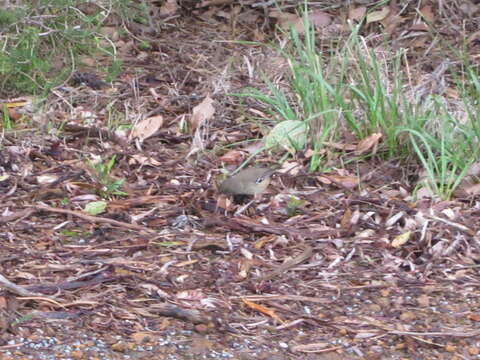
(94, 219)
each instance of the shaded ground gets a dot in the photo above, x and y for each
(164, 271)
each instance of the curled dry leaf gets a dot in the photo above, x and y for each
(368, 143)
(147, 127)
(202, 112)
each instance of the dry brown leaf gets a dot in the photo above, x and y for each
(424, 192)
(147, 127)
(319, 18)
(202, 112)
(391, 22)
(285, 20)
(169, 8)
(427, 14)
(348, 182)
(418, 27)
(379, 15)
(368, 143)
(339, 146)
(232, 157)
(143, 160)
(474, 317)
(357, 14)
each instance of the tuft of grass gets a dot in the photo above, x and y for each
(361, 90)
(40, 44)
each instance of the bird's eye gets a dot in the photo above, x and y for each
(259, 180)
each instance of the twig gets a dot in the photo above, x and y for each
(307, 252)
(7, 284)
(94, 219)
(436, 334)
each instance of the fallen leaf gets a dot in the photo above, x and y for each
(147, 127)
(474, 317)
(339, 146)
(95, 207)
(418, 27)
(319, 18)
(232, 157)
(379, 15)
(427, 13)
(393, 19)
(169, 8)
(348, 182)
(401, 239)
(357, 14)
(368, 143)
(286, 20)
(202, 112)
(143, 160)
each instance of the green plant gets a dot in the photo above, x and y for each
(7, 122)
(110, 185)
(41, 41)
(294, 206)
(445, 147)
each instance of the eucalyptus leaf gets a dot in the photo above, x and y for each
(95, 207)
(290, 135)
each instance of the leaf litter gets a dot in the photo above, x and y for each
(343, 264)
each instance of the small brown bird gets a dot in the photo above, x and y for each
(251, 181)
